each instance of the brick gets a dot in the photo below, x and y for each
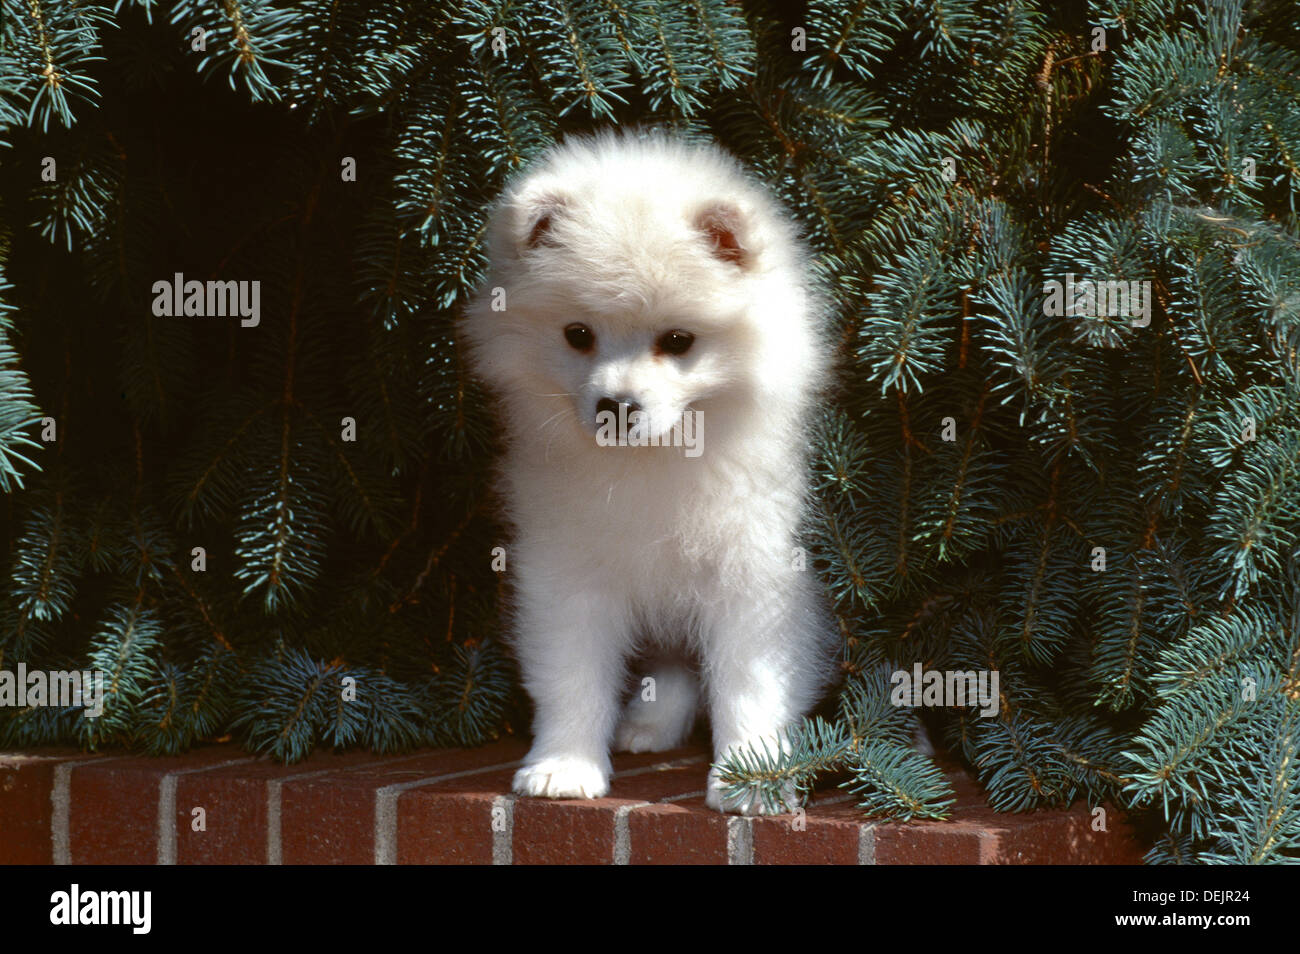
(442, 829)
(579, 831)
(450, 821)
(830, 836)
(684, 833)
(652, 777)
(1064, 837)
(584, 831)
(26, 812)
(928, 843)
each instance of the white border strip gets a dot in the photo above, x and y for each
(867, 843)
(740, 840)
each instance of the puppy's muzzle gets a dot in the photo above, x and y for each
(616, 407)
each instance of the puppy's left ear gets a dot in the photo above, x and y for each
(727, 231)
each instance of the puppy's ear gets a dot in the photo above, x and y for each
(726, 230)
(537, 217)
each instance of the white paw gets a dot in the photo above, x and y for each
(635, 736)
(638, 738)
(562, 777)
(751, 804)
(663, 722)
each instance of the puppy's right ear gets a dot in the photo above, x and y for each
(727, 231)
(537, 218)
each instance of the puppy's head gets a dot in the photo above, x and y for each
(637, 276)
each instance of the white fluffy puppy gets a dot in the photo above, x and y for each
(645, 282)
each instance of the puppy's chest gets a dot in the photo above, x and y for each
(663, 517)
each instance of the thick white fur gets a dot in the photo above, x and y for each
(623, 553)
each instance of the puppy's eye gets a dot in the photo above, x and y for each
(579, 336)
(675, 342)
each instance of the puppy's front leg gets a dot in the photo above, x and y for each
(765, 667)
(571, 649)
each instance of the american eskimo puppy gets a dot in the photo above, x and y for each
(650, 336)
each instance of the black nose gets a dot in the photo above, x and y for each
(609, 404)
